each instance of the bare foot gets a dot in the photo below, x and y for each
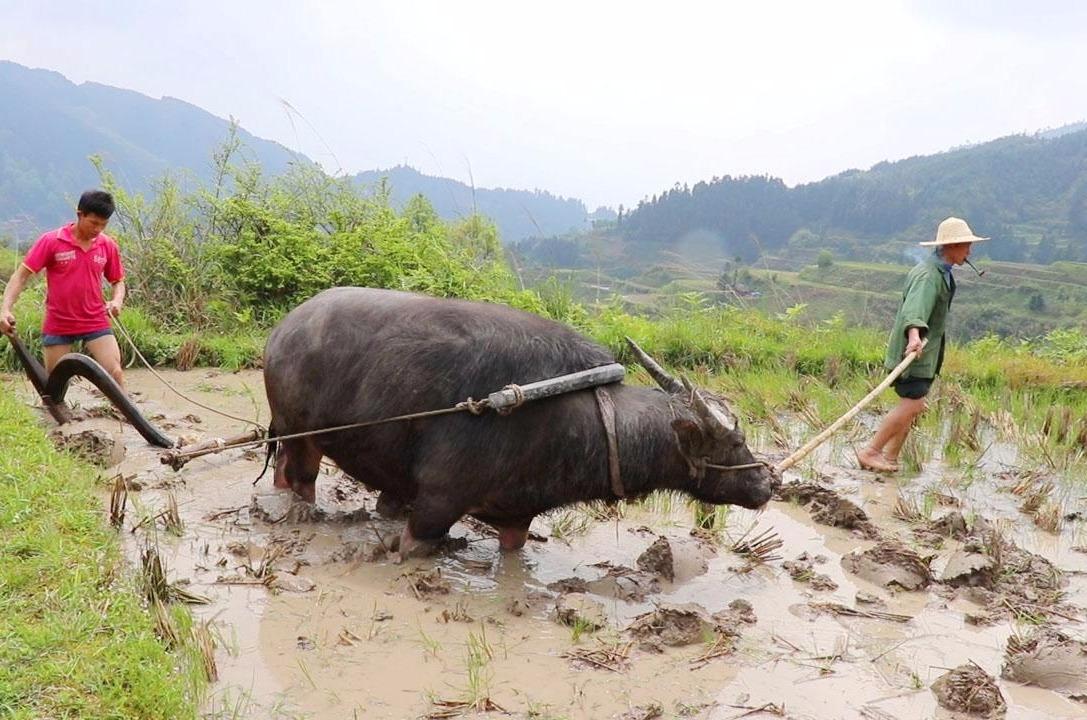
(873, 460)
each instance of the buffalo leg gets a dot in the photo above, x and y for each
(431, 518)
(391, 506)
(297, 465)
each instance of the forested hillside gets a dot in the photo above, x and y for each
(1028, 192)
(49, 127)
(519, 214)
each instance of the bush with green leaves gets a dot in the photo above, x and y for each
(250, 248)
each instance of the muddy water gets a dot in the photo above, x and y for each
(363, 643)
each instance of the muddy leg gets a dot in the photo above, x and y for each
(430, 520)
(297, 465)
(892, 431)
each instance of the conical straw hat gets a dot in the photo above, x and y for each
(953, 230)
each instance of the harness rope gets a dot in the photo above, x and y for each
(476, 407)
(175, 391)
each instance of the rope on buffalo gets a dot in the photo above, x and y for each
(177, 458)
(519, 399)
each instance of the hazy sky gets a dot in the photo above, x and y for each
(606, 101)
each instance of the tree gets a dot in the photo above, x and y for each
(825, 259)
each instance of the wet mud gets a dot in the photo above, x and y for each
(850, 606)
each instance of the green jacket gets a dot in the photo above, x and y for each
(925, 304)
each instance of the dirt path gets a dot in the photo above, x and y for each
(344, 632)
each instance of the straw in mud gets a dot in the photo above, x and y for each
(723, 646)
(171, 517)
(155, 586)
(455, 708)
(766, 709)
(839, 609)
(165, 628)
(760, 548)
(204, 642)
(1048, 517)
(118, 500)
(615, 657)
(907, 509)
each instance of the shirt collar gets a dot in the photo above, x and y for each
(66, 234)
(938, 260)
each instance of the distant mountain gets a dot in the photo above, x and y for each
(519, 214)
(1028, 192)
(49, 126)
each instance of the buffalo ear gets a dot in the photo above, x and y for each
(689, 432)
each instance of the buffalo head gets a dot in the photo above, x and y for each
(709, 438)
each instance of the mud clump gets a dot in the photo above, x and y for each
(802, 569)
(689, 623)
(94, 412)
(651, 711)
(952, 525)
(890, 563)
(968, 569)
(282, 506)
(1049, 659)
(969, 689)
(569, 585)
(426, 583)
(658, 559)
(827, 508)
(618, 582)
(291, 583)
(96, 447)
(579, 610)
(1012, 583)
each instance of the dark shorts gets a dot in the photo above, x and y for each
(912, 388)
(49, 340)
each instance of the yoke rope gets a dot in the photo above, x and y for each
(476, 407)
(174, 390)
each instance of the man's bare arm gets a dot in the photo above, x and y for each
(15, 286)
(117, 298)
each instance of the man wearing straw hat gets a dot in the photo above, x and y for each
(922, 315)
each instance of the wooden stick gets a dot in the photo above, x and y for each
(510, 397)
(177, 457)
(837, 424)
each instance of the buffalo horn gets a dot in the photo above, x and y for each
(666, 381)
(720, 423)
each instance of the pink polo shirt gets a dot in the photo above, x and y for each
(73, 298)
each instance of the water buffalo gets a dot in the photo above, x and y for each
(353, 354)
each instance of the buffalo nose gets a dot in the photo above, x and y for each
(762, 490)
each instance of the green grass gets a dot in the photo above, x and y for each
(74, 639)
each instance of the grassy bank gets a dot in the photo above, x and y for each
(74, 639)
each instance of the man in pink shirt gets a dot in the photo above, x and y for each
(75, 258)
